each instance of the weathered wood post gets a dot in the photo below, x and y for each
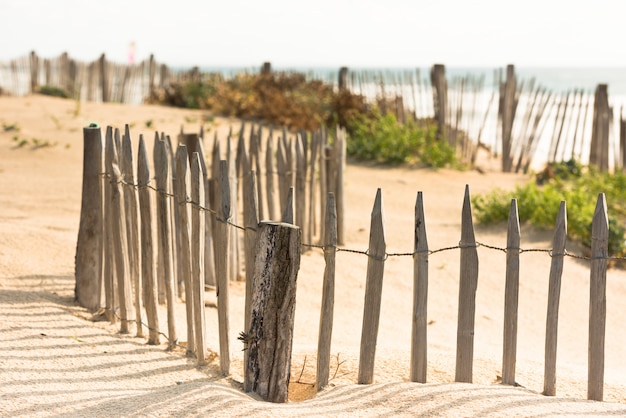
(88, 270)
(340, 169)
(270, 175)
(197, 257)
(468, 283)
(599, 152)
(34, 72)
(183, 195)
(440, 96)
(508, 106)
(511, 296)
(270, 337)
(131, 208)
(104, 78)
(164, 181)
(554, 296)
(328, 295)
(222, 247)
(597, 300)
(108, 259)
(419, 357)
(119, 243)
(300, 184)
(287, 216)
(373, 292)
(148, 273)
(342, 82)
(251, 222)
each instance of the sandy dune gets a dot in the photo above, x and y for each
(55, 362)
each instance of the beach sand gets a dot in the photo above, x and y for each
(56, 362)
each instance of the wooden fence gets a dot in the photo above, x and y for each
(117, 254)
(518, 121)
(100, 80)
(137, 250)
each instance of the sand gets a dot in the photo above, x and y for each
(56, 362)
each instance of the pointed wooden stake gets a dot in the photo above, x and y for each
(468, 284)
(554, 295)
(597, 300)
(373, 292)
(148, 273)
(511, 296)
(419, 363)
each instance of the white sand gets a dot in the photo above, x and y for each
(55, 362)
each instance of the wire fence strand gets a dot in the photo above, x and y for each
(460, 245)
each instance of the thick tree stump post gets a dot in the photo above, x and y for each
(269, 339)
(89, 246)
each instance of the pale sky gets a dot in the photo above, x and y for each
(365, 33)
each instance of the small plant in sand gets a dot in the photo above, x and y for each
(35, 143)
(10, 127)
(53, 91)
(538, 202)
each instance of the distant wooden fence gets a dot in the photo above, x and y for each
(519, 120)
(117, 257)
(100, 80)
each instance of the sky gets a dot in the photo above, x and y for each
(321, 33)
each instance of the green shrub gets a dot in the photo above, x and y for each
(578, 187)
(381, 138)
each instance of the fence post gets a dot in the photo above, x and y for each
(251, 221)
(440, 96)
(221, 265)
(300, 184)
(89, 244)
(108, 259)
(508, 106)
(328, 294)
(597, 300)
(511, 296)
(598, 154)
(373, 291)
(132, 226)
(104, 78)
(197, 257)
(554, 294)
(183, 195)
(340, 168)
(288, 210)
(149, 283)
(164, 181)
(270, 337)
(419, 340)
(468, 283)
(120, 245)
(311, 228)
(160, 277)
(34, 72)
(272, 211)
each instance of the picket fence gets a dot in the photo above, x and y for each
(196, 213)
